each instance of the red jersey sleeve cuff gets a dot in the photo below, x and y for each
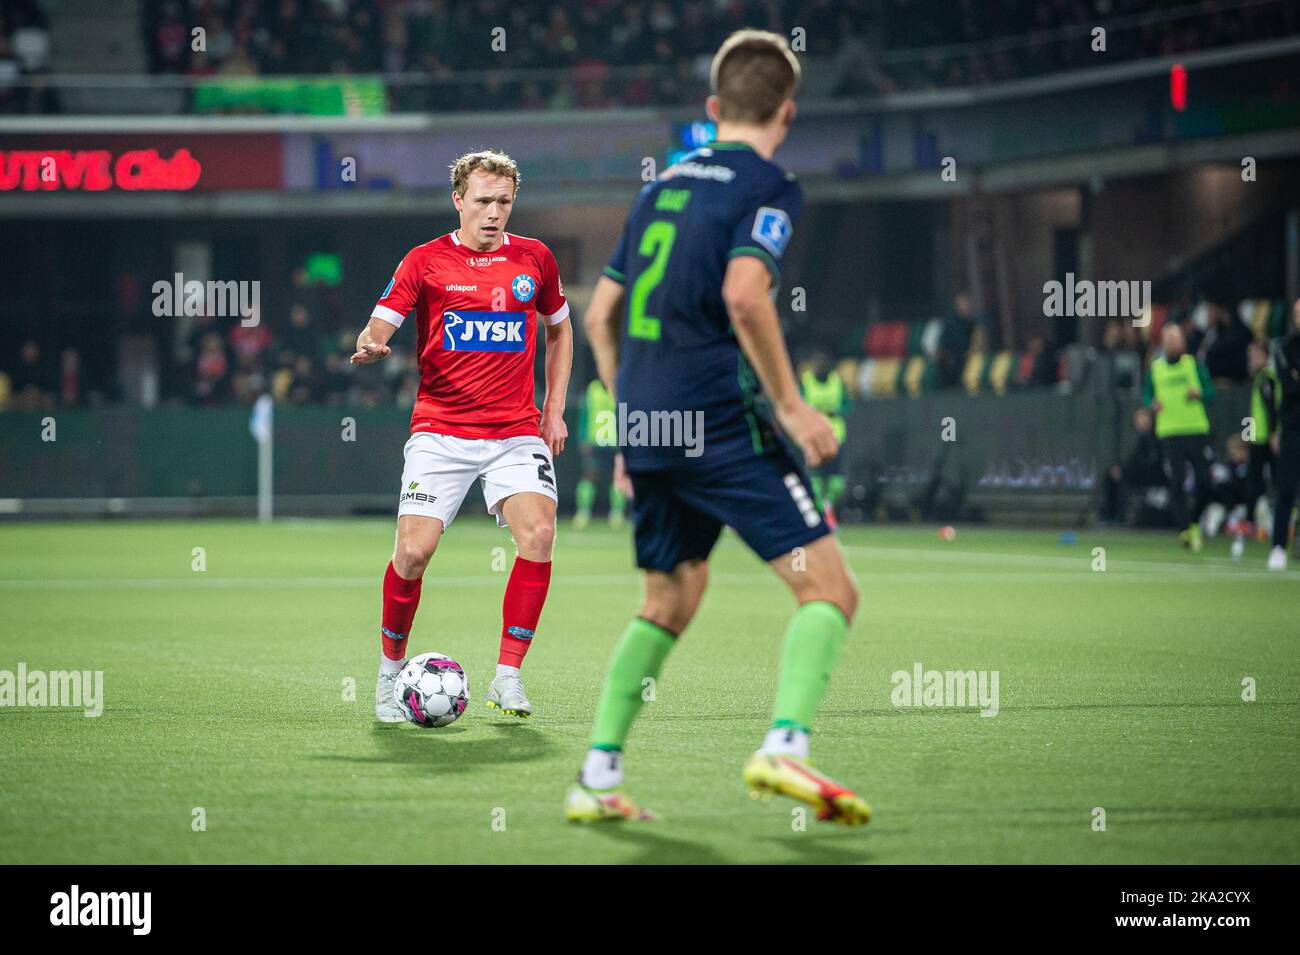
(390, 315)
(556, 318)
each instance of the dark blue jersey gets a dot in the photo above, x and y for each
(680, 366)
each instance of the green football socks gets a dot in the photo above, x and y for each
(586, 496)
(812, 645)
(640, 653)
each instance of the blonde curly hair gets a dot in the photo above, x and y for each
(488, 160)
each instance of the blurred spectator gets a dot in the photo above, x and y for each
(336, 380)
(9, 72)
(24, 58)
(1037, 365)
(1265, 401)
(171, 41)
(955, 340)
(1119, 364)
(1134, 491)
(301, 388)
(1177, 390)
(212, 369)
(249, 345)
(70, 378)
(1223, 349)
(1193, 324)
(300, 338)
(30, 39)
(1286, 443)
(1231, 487)
(31, 381)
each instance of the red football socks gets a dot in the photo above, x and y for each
(522, 608)
(401, 597)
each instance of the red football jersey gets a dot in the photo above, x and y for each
(476, 318)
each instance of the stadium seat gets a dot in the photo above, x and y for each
(884, 376)
(914, 375)
(887, 340)
(866, 371)
(1000, 371)
(898, 339)
(1261, 310)
(915, 338)
(973, 372)
(900, 379)
(281, 382)
(848, 371)
(986, 381)
(930, 379)
(930, 337)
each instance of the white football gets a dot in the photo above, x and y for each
(432, 690)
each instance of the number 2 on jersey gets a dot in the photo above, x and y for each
(657, 240)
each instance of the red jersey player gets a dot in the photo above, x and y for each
(478, 294)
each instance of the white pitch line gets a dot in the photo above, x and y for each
(1075, 574)
(1083, 560)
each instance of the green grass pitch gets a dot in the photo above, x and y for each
(225, 690)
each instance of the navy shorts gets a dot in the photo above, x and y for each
(680, 512)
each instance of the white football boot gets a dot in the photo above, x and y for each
(386, 709)
(1277, 558)
(507, 695)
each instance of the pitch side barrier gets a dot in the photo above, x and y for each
(1028, 457)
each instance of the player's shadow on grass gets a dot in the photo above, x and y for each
(656, 848)
(1161, 815)
(428, 750)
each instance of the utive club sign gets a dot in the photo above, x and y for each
(97, 170)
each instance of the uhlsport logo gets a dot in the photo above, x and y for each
(483, 331)
(524, 287)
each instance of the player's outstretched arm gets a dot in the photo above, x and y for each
(758, 330)
(559, 363)
(601, 323)
(372, 343)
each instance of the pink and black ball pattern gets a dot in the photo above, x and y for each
(432, 690)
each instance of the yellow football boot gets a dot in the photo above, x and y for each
(790, 776)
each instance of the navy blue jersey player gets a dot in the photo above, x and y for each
(687, 339)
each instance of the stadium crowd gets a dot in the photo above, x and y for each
(301, 359)
(437, 54)
(973, 42)
(207, 361)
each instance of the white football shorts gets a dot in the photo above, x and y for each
(439, 470)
